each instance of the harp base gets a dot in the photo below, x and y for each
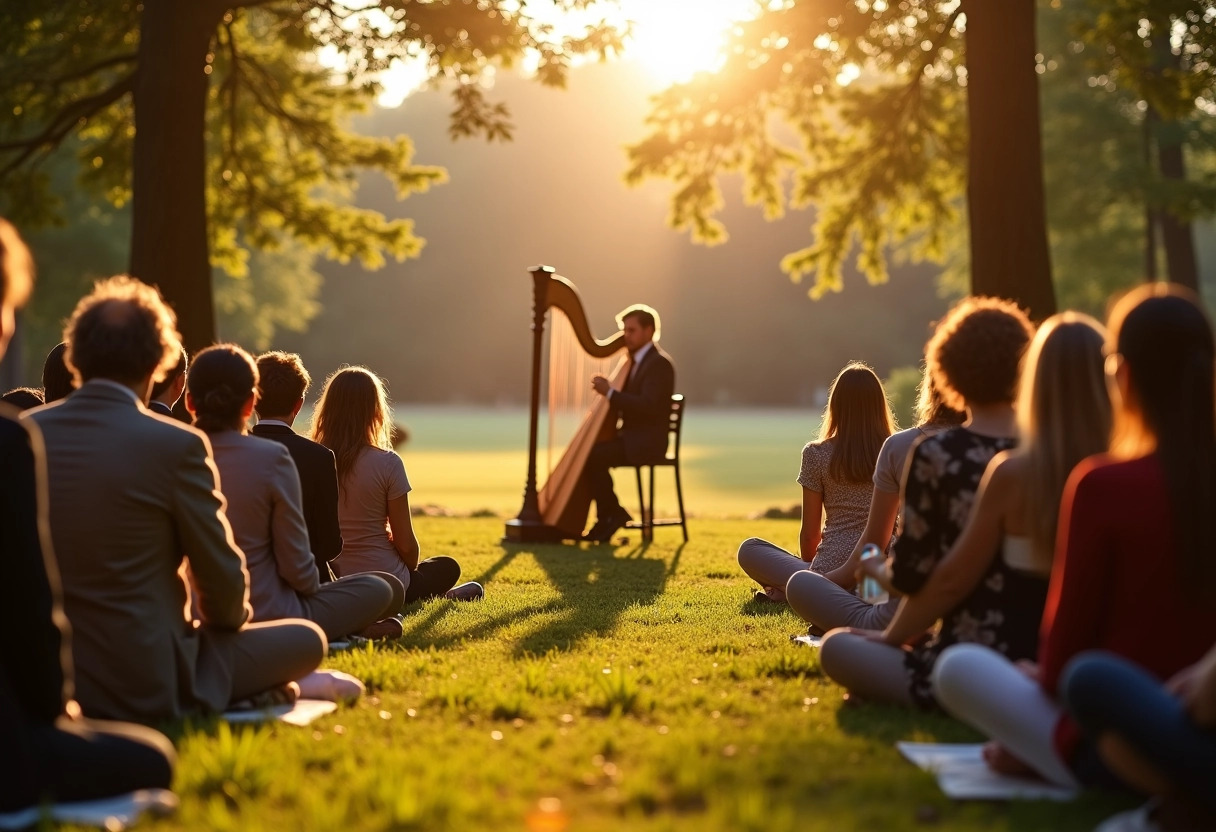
(525, 531)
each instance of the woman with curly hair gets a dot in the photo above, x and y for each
(1133, 577)
(352, 420)
(974, 357)
(836, 480)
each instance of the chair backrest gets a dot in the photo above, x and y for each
(675, 422)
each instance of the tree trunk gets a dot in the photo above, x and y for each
(1005, 199)
(169, 213)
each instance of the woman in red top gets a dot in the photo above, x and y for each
(1134, 573)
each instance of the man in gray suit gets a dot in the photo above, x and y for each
(133, 496)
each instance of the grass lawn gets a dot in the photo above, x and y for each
(637, 686)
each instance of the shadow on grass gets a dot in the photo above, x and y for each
(891, 723)
(595, 585)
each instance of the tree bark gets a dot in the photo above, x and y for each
(1005, 197)
(169, 246)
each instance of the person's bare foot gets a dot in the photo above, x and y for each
(1000, 760)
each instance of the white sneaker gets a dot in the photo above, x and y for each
(471, 591)
(331, 686)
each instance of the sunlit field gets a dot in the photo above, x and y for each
(595, 688)
(736, 462)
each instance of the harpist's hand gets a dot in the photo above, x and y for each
(600, 385)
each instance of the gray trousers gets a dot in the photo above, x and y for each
(349, 604)
(816, 599)
(272, 653)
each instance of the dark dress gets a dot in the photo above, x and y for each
(1004, 609)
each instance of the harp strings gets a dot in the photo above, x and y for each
(569, 374)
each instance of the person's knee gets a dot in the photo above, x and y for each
(306, 639)
(396, 599)
(747, 551)
(953, 673)
(834, 647)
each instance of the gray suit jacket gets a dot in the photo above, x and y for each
(259, 483)
(133, 495)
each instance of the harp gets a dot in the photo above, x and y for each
(557, 510)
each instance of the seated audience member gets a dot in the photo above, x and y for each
(837, 481)
(352, 420)
(1158, 739)
(168, 390)
(259, 483)
(282, 383)
(1134, 572)
(974, 356)
(51, 754)
(23, 398)
(57, 379)
(991, 587)
(828, 601)
(132, 496)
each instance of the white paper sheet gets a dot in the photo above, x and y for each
(111, 813)
(962, 774)
(302, 712)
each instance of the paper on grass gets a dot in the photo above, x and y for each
(962, 774)
(301, 712)
(111, 813)
(807, 640)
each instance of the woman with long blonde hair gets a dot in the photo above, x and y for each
(836, 479)
(352, 420)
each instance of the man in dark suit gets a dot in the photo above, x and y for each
(639, 410)
(168, 390)
(281, 388)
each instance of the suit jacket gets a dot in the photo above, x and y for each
(160, 408)
(132, 496)
(643, 407)
(259, 483)
(319, 485)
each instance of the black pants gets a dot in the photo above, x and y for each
(597, 473)
(79, 760)
(432, 578)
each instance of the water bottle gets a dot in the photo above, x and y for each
(871, 591)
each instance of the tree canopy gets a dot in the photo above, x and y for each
(226, 122)
(868, 111)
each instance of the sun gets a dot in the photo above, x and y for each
(675, 39)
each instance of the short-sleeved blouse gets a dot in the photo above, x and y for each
(893, 457)
(363, 494)
(845, 504)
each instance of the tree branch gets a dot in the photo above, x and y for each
(61, 124)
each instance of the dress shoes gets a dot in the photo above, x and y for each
(606, 527)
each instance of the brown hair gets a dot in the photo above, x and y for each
(931, 408)
(220, 382)
(1064, 416)
(1164, 338)
(646, 316)
(122, 331)
(858, 418)
(976, 351)
(352, 415)
(284, 381)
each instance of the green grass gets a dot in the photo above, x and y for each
(736, 462)
(613, 686)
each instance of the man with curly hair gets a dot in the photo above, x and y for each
(132, 497)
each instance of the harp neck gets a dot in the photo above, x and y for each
(550, 290)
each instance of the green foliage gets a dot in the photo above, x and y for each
(737, 729)
(882, 158)
(902, 387)
(281, 161)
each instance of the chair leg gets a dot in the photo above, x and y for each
(680, 500)
(650, 528)
(637, 470)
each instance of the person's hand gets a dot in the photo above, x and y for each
(1002, 761)
(600, 385)
(1029, 669)
(878, 569)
